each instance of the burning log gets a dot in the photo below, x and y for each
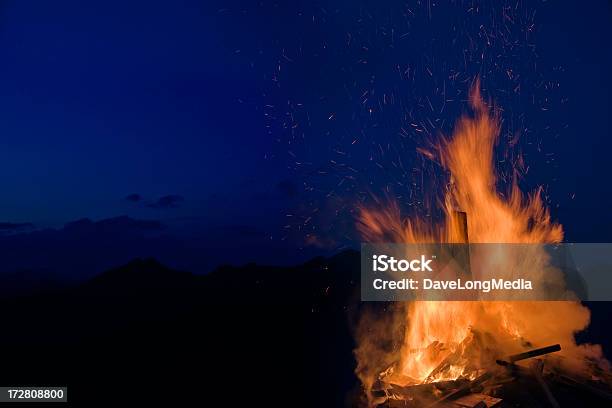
(460, 219)
(528, 354)
(463, 390)
(471, 354)
(446, 363)
(462, 252)
(409, 392)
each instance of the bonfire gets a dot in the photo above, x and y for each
(425, 353)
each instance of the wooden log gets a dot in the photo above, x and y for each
(463, 390)
(528, 354)
(459, 219)
(461, 252)
(444, 365)
(410, 391)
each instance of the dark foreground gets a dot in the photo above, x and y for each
(144, 333)
(238, 337)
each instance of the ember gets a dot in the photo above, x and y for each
(429, 353)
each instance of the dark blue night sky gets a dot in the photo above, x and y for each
(260, 124)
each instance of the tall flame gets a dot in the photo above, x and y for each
(419, 335)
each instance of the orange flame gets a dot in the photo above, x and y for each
(420, 335)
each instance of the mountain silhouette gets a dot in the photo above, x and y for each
(139, 277)
(83, 249)
(239, 335)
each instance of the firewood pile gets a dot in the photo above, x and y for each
(519, 380)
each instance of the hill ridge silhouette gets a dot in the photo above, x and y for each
(147, 325)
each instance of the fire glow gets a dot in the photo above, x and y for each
(408, 344)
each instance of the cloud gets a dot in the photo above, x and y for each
(167, 201)
(15, 226)
(134, 197)
(121, 224)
